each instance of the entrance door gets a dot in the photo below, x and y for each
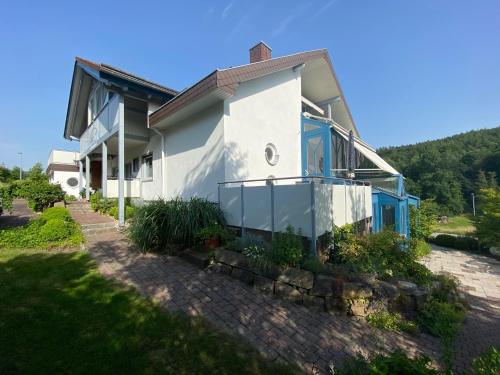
(96, 174)
(315, 148)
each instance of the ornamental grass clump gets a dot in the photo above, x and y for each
(161, 223)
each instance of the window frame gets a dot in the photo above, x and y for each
(145, 168)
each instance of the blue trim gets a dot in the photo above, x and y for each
(324, 132)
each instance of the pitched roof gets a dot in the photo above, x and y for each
(228, 79)
(105, 68)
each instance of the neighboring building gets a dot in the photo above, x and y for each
(62, 168)
(264, 121)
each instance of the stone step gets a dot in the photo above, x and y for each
(107, 227)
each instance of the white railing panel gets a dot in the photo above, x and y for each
(132, 188)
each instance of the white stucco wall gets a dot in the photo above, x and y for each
(264, 110)
(61, 177)
(195, 155)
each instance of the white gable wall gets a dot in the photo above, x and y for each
(264, 110)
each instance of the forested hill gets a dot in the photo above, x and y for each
(449, 169)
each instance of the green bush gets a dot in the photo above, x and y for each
(41, 194)
(129, 212)
(487, 363)
(55, 230)
(287, 248)
(214, 231)
(241, 243)
(394, 363)
(313, 265)
(456, 242)
(161, 223)
(422, 219)
(391, 322)
(69, 198)
(488, 220)
(56, 213)
(419, 248)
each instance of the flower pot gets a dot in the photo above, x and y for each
(212, 243)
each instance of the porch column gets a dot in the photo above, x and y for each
(80, 179)
(104, 173)
(121, 163)
(87, 178)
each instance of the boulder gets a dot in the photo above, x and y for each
(301, 278)
(287, 292)
(358, 307)
(323, 285)
(200, 259)
(420, 297)
(356, 290)
(242, 275)
(406, 286)
(263, 284)
(495, 251)
(232, 258)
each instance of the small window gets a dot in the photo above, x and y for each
(135, 165)
(147, 162)
(72, 181)
(271, 154)
(128, 170)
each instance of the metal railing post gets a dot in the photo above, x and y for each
(272, 209)
(242, 211)
(313, 221)
(218, 196)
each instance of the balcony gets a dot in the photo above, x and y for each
(132, 188)
(104, 126)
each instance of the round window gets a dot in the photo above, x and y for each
(271, 153)
(72, 181)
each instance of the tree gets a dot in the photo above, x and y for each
(36, 173)
(488, 220)
(481, 181)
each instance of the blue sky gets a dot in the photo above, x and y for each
(410, 70)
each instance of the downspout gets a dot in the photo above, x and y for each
(163, 192)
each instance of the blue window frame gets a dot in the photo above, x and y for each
(316, 148)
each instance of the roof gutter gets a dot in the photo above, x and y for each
(163, 161)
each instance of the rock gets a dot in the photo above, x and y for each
(232, 258)
(334, 304)
(314, 302)
(356, 290)
(287, 292)
(60, 204)
(420, 297)
(358, 307)
(323, 285)
(242, 275)
(406, 286)
(221, 268)
(301, 278)
(495, 251)
(263, 284)
(367, 278)
(198, 258)
(386, 289)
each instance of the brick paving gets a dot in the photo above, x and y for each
(278, 329)
(479, 277)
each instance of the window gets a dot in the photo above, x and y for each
(135, 165)
(128, 170)
(388, 216)
(72, 181)
(147, 162)
(271, 154)
(98, 98)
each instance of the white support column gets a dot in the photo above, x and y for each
(80, 179)
(87, 178)
(104, 169)
(121, 163)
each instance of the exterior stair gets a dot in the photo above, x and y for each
(108, 227)
(91, 222)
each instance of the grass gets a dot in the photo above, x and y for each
(461, 225)
(59, 315)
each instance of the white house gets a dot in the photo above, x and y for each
(62, 168)
(272, 141)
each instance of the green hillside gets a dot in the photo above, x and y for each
(449, 169)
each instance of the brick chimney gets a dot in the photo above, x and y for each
(260, 52)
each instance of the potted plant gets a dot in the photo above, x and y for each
(213, 236)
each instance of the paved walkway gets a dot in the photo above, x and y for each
(277, 328)
(20, 215)
(480, 280)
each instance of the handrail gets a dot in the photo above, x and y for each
(356, 182)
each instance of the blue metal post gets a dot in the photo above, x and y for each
(242, 210)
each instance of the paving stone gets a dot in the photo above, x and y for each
(301, 278)
(243, 275)
(323, 285)
(263, 284)
(232, 258)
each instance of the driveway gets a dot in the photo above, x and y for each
(20, 215)
(479, 277)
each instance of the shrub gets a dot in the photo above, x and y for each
(420, 248)
(391, 322)
(161, 223)
(456, 242)
(396, 362)
(487, 363)
(313, 265)
(42, 194)
(129, 212)
(214, 231)
(488, 221)
(69, 198)
(286, 248)
(55, 230)
(56, 213)
(422, 219)
(241, 243)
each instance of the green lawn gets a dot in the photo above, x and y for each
(461, 224)
(58, 315)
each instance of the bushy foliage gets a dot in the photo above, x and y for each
(487, 363)
(456, 242)
(422, 219)
(488, 220)
(449, 170)
(109, 206)
(419, 248)
(287, 248)
(313, 264)
(214, 231)
(241, 243)
(391, 322)
(396, 362)
(55, 230)
(160, 223)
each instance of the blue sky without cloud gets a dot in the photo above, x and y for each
(410, 70)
